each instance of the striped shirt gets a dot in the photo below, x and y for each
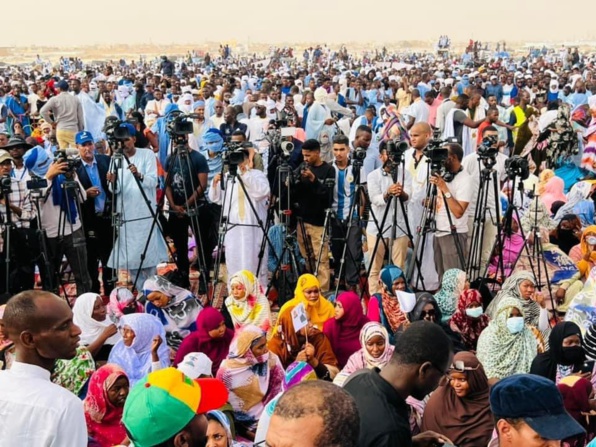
(343, 192)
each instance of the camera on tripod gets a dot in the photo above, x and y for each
(395, 151)
(115, 131)
(36, 183)
(179, 123)
(517, 166)
(234, 154)
(5, 184)
(69, 156)
(488, 148)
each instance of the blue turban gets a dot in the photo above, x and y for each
(37, 161)
(213, 140)
(198, 104)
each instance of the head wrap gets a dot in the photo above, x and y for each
(91, 329)
(318, 311)
(213, 140)
(253, 308)
(469, 328)
(452, 285)
(120, 299)
(37, 161)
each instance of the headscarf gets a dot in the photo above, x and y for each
(576, 392)
(298, 372)
(396, 318)
(104, 420)
(344, 334)
(394, 128)
(452, 285)
(253, 308)
(91, 329)
(554, 360)
(120, 299)
(590, 342)
(544, 177)
(553, 192)
(179, 315)
(320, 95)
(511, 289)
(582, 264)
(565, 239)
(221, 417)
(73, 374)
(286, 344)
(318, 312)
(580, 191)
(136, 359)
(537, 214)
(468, 328)
(502, 353)
(422, 299)
(200, 341)
(251, 381)
(467, 421)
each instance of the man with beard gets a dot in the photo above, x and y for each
(34, 410)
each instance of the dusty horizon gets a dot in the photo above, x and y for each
(331, 22)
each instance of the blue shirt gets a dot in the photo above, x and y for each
(93, 173)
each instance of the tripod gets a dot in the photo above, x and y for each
(487, 175)
(9, 226)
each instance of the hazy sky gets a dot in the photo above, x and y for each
(72, 22)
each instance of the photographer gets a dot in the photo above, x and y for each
(456, 193)
(22, 274)
(313, 196)
(382, 187)
(96, 211)
(344, 195)
(186, 181)
(473, 165)
(254, 158)
(62, 222)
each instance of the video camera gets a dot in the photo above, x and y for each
(179, 124)
(69, 156)
(487, 150)
(517, 166)
(396, 150)
(437, 153)
(114, 130)
(234, 154)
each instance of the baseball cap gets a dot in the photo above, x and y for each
(83, 137)
(196, 364)
(4, 155)
(165, 401)
(538, 402)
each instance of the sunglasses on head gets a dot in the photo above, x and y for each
(460, 366)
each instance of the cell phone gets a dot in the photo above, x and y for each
(587, 367)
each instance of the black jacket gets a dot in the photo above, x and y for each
(88, 207)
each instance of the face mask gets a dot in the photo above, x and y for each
(573, 355)
(474, 312)
(591, 240)
(515, 324)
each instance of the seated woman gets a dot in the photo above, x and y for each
(384, 308)
(507, 346)
(577, 393)
(553, 192)
(584, 253)
(375, 351)
(252, 375)
(104, 404)
(343, 331)
(176, 308)
(307, 345)
(469, 320)
(512, 246)
(567, 234)
(123, 302)
(142, 349)
(247, 303)
(98, 333)
(308, 292)
(454, 282)
(565, 355)
(459, 409)
(579, 203)
(211, 338)
(219, 430)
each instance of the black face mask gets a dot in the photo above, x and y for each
(129, 310)
(573, 355)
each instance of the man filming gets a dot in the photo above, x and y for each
(186, 181)
(453, 196)
(387, 187)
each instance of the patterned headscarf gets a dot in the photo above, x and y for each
(396, 318)
(452, 285)
(469, 328)
(511, 289)
(253, 308)
(73, 374)
(502, 353)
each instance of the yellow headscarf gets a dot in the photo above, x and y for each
(318, 312)
(583, 265)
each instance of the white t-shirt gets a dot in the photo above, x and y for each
(460, 189)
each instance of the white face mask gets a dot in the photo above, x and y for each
(515, 324)
(474, 312)
(591, 240)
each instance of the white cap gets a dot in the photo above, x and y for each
(196, 364)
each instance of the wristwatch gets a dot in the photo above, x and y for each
(447, 195)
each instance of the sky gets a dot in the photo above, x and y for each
(72, 22)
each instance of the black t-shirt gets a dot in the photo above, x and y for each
(314, 198)
(181, 178)
(384, 414)
(459, 116)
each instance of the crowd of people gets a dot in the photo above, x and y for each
(408, 240)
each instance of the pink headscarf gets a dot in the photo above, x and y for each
(553, 192)
(120, 299)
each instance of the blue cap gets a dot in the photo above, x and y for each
(538, 402)
(131, 129)
(83, 137)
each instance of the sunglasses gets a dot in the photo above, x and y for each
(460, 366)
(430, 313)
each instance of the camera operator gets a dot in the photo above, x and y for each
(60, 219)
(457, 194)
(344, 194)
(471, 166)
(363, 140)
(182, 174)
(255, 160)
(22, 275)
(313, 196)
(96, 211)
(381, 187)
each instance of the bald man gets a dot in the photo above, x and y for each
(314, 414)
(35, 411)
